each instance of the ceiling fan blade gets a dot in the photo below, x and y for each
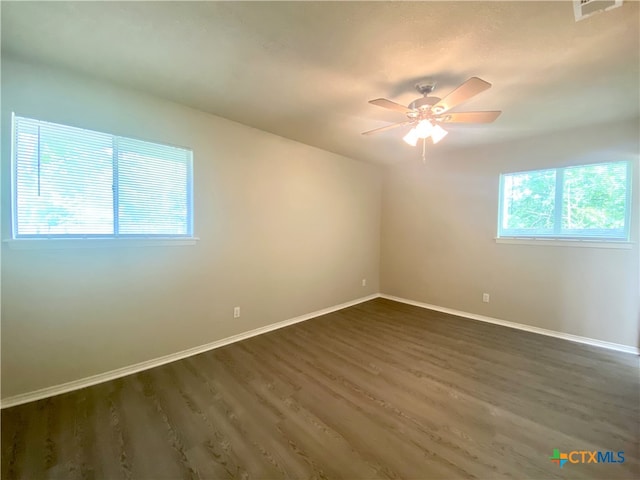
(464, 92)
(384, 103)
(387, 127)
(471, 117)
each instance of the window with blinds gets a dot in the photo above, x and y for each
(70, 182)
(585, 201)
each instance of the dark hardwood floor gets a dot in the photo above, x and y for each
(379, 390)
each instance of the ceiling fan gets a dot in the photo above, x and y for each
(427, 114)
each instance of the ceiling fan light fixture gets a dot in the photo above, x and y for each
(424, 128)
(438, 133)
(412, 137)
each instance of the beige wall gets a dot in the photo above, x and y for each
(285, 229)
(440, 220)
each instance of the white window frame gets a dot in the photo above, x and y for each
(572, 237)
(29, 241)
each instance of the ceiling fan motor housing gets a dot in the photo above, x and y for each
(423, 103)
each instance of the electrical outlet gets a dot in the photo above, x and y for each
(485, 297)
(364, 282)
(236, 312)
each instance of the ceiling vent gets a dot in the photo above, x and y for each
(585, 8)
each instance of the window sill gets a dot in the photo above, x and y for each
(561, 242)
(62, 243)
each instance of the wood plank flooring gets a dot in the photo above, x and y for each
(378, 390)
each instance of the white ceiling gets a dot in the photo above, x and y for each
(305, 70)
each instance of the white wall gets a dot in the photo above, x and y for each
(285, 229)
(439, 224)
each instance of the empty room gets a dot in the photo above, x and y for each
(263, 240)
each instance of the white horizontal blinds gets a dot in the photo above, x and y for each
(64, 179)
(71, 182)
(153, 188)
(595, 200)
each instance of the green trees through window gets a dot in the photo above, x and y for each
(595, 197)
(586, 201)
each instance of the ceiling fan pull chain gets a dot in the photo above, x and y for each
(424, 147)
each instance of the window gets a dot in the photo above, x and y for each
(74, 183)
(586, 201)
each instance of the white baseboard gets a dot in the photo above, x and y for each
(519, 326)
(156, 362)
